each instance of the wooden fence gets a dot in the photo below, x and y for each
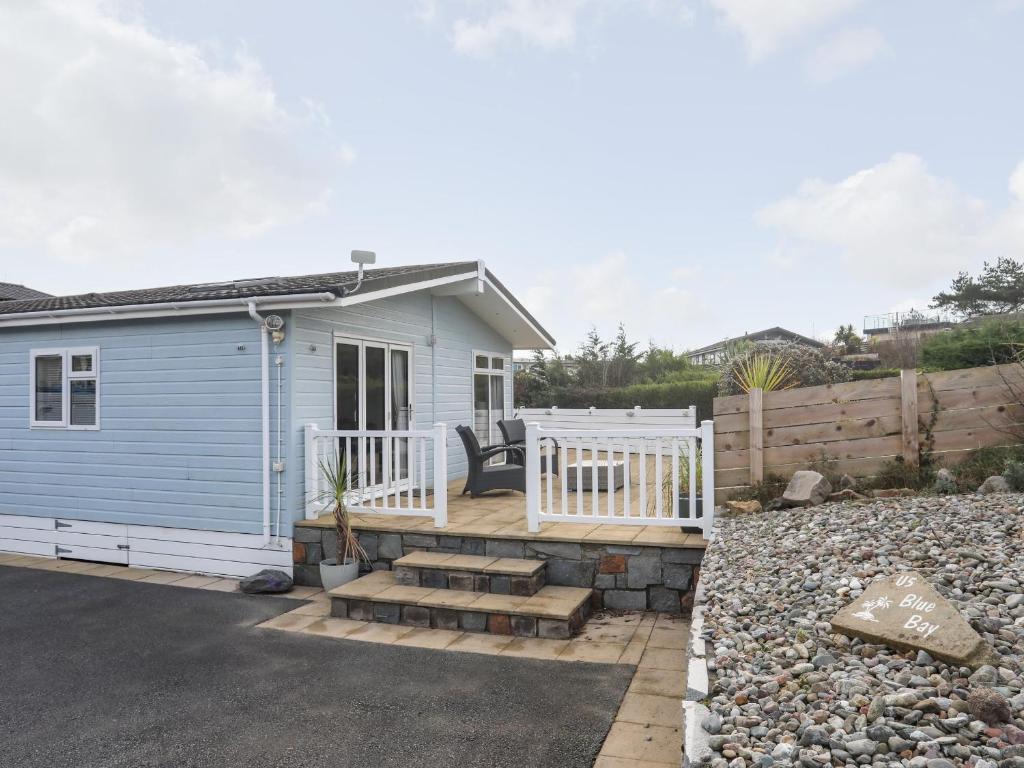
(858, 426)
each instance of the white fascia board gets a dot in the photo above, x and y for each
(362, 298)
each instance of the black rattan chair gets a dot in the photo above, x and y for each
(485, 477)
(514, 432)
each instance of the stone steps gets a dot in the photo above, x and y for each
(552, 612)
(471, 573)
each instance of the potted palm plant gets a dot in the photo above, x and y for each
(344, 567)
(684, 485)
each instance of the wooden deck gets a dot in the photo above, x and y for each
(502, 515)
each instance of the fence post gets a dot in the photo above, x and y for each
(756, 408)
(533, 477)
(440, 475)
(908, 416)
(707, 458)
(311, 471)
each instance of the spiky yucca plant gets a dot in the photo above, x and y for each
(335, 474)
(766, 372)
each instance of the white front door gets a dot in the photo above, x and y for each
(373, 392)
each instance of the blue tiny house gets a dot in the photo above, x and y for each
(164, 428)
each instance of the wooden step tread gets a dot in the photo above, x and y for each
(505, 566)
(548, 603)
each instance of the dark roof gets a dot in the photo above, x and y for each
(14, 292)
(765, 335)
(333, 282)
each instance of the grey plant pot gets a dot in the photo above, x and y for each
(684, 506)
(333, 575)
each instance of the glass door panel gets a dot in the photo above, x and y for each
(347, 403)
(375, 406)
(401, 409)
(373, 391)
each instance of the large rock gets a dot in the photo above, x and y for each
(807, 489)
(995, 484)
(905, 612)
(266, 581)
(744, 507)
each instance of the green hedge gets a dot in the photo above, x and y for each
(671, 394)
(972, 347)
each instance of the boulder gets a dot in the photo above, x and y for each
(995, 484)
(905, 612)
(807, 489)
(744, 507)
(268, 581)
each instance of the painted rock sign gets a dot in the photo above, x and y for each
(906, 613)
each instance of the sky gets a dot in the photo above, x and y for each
(694, 170)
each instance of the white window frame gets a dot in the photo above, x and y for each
(67, 375)
(503, 372)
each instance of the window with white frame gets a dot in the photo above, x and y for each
(64, 388)
(488, 396)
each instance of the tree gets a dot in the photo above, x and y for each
(847, 341)
(662, 364)
(622, 367)
(998, 289)
(592, 361)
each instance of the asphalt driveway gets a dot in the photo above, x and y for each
(104, 672)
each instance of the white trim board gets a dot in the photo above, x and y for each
(143, 546)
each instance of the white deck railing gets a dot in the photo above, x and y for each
(387, 470)
(610, 418)
(621, 476)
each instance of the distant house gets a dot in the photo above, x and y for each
(14, 292)
(716, 353)
(911, 323)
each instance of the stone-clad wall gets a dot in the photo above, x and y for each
(623, 576)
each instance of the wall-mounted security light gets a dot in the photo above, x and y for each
(275, 324)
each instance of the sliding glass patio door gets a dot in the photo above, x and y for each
(373, 392)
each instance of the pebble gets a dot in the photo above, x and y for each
(785, 691)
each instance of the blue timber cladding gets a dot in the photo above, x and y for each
(409, 319)
(180, 437)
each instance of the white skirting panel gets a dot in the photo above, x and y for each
(144, 546)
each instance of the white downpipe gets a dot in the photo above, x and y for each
(265, 415)
(279, 362)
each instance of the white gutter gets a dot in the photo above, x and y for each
(163, 309)
(265, 415)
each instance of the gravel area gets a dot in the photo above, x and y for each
(784, 690)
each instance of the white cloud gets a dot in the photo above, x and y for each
(766, 25)
(115, 139)
(543, 23)
(546, 24)
(847, 51)
(613, 290)
(897, 224)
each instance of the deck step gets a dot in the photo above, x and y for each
(554, 612)
(471, 573)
